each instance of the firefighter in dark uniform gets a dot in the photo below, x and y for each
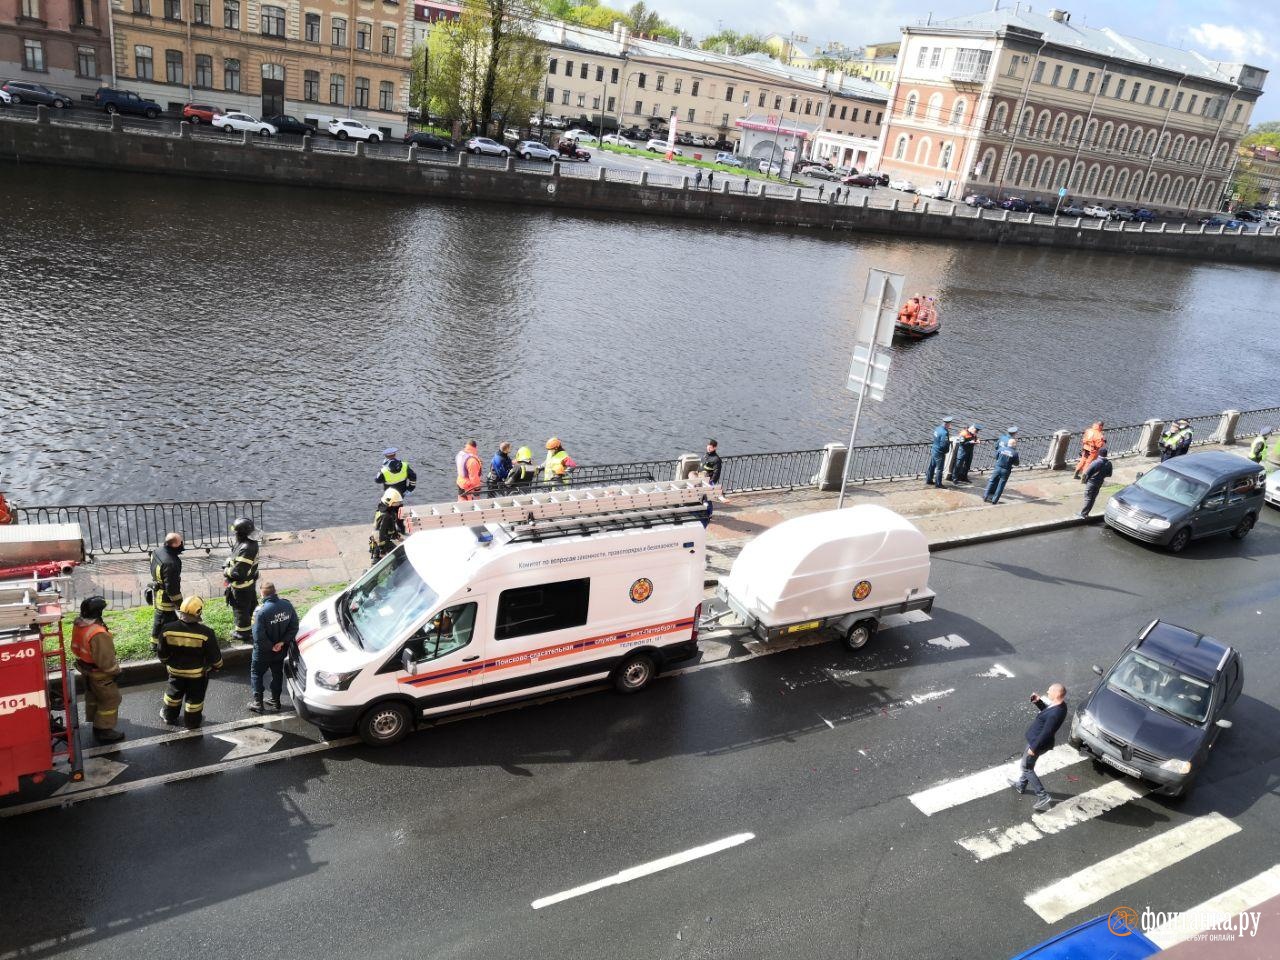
(386, 525)
(166, 583)
(95, 651)
(241, 573)
(189, 651)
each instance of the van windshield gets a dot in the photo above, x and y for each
(1155, 683)
(380, 607)
(1172, 486)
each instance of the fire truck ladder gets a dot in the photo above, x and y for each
(574, 512)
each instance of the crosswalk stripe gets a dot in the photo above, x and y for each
(1079, 809)
(1066, 896)
(1229, 903)
(986, 782)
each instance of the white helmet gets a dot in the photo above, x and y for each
(392, 497)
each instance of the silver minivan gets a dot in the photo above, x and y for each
(1189, 497)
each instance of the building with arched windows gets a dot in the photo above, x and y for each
(1035, 104)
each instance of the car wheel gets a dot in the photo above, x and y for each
(473, 150)
(111, 107)
(264, 133)
(1076, 742)
(1244, 526)
(634, 673)
(504, 154)
(228, 129)
(151, 114)
(856, 636)
(384, 723)
(1180, 540)
(342, 134)
(194, 121)
(59, 104)
(14, 98)
(375, 139)
(524, 156)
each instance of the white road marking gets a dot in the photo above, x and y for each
(1106, 877)
(1079, 809)
(645, 869)
(892, 620)
(998, 671)
(215, 729)
(952, 641)
(952, 793)
(249, 742)
(97, 773)
(932, 695)
(1229, 903)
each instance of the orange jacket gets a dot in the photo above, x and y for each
(469, 469)
(1094, 439)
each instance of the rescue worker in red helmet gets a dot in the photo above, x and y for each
(94, 650)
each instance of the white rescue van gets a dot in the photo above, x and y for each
(500, 599)
(839, 569)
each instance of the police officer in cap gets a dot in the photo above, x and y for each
(241, 579)
(94, 650)
(395, 473)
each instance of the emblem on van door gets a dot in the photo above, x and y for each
(641, 590)
(862, 590)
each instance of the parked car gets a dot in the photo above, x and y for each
(936, 192)
(1272, 493)
(861, 180)
(24, 91)
(1248, 216)
(1071, 210)
(429, 140)
(1189, 497)
(345, 129)
(1215, 222)
(582, 136)
(491, 148)
(1156, 713)
(1042, 207)
(571, 150)
(1016, 204)
(1142, 215)
(775, 168)
(534, 150)
(198, 113)
(980, 200)
(5, 99)
(821, 173)
(902, 184)
(125, 101)
(657, 145)
(617, 139)
(728, 159)
(234, 121)
(285, 123)
(1119, 213)
(1098, 212)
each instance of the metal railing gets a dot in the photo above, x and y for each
(889, 461)
(139, 527)
(1122, 441)
(770, 471)
(1251, 421)
(1206, 428)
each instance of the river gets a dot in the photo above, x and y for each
(180, 339)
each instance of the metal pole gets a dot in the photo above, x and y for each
(857, 414)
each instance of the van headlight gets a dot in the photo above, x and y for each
(335, 681)
(1088, 724)
(1181, 767)
(1155, 523)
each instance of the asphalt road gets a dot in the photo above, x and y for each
(440, 847)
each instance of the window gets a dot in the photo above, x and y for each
(1177, 100)
(879, 118)
(582, 99)
(568, 68)
(923, 57)
(900, 148)
(1191, 104)
(957, 113)
(86, 62)
(640, 79)
(1013, 66)
(364, 35)
(273, 21)
(777, 103)
(173, 9)
(910, 109)
(808, 105)
(551, 95)
(31, 8)
(693, 90)
(551, 64)
(935, 58)
(173, 66)
(1038, 76)
(1164, 97)
(760, 102)
(338, 31)
(1106, 82)
(844, 110)
(311, 86)
(613, 75)
(564, 97)
(143, 65)
(1133, 94)
(1088, 81)
(1072, 78)
(33, 56)
(794, 103)
(657, 110)
(583, 71)
(691, 115)
(611, 104)
(724, 119)
(311, 30)
(386, 95)
(231, 75)
(595, 103)
(599, 74)
(1235, 114)
(728, 93)
(388, 39)
(447, 632)
(337, 88)
(944, 161)
(1120, 88)
(231, 14)
(523, 611)
(1150, 93)
(142, 6)
(639, 110)
(1057, 74)
(202, 11)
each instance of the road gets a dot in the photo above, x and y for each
(795, 770)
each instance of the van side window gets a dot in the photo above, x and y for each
(1216, 498)
(1241, 487)
(447, 631)
(542, 608)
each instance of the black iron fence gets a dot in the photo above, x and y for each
(770, 471)
(1251, 421)
(1204, 429)
(139, 527)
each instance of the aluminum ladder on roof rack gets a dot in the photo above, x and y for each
(615, 501)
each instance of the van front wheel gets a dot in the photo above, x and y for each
(384, 724)
(857, 636)
(634, 674)
(1244, 526)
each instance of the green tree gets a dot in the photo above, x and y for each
(1267, 126)
(1262, 138)
(730, 41)
(1247, 189)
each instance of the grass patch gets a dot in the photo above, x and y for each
(690, 162)
(437, 131)
(132, 627)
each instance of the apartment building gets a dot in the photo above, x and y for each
(60, 43)
(1263, 164)
(310, 58)
(877, 62)
(1016, 102)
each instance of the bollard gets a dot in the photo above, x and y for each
(306, 143)
(1079, 222)
(761, 189)
(1149, 440)
(724, 186)
(924, 208)
(360, 148)
(244, 138)
(413, 153)
(831, 471)
(117, 123)
(684, 185)
(184, 130)
(42, 113)
(866, 200)
(1142, 226)
(1182, 228)
(510, 164)
(686, 464)
(1226, 432)
(600, 175)
(953, 210)
(796, 196)
(644, 176)
(1058, 446)
(1005, 218)
(464, 160)
(894, 206)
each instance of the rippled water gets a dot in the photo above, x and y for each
(181, 339)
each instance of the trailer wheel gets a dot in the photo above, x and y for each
(384, 723)
(857, 635)
(634, 673)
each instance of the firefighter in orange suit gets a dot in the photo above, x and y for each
(189, 651)
(1092, 441)
(94, 650)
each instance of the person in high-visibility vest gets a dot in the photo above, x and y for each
(241, 579)
(556, 468)
(166, 583)
(189, 651)
(94, 650)
(396, 474)
(523, 472)
(469, 471)
(1259, 445)
(387, 530)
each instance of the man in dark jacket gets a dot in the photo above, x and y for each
(1040, 737)
(395, 473)
(938, 453)
(166, 583)
(1094, 476)
(240, 578)
(275, 630)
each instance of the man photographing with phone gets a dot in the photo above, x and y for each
(1040, 737)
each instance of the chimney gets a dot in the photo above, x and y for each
(823, 78)
(1061, 16)
(838, 80)
(617, 28)
(624, 34)
(560, 32)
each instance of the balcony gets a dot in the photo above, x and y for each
(976, 73)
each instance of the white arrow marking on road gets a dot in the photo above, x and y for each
(249, 742)
(952, 641)
(97, 773)
(203, 731)
(644, 869)
(998, 671)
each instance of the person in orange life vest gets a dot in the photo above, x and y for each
(1092, 441)
(94, 650)
(469, 471)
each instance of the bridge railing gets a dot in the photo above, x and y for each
(139, 527)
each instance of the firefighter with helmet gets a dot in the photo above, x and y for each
(240, 582)
(166, 583)
(94, 650)
(189, 651)
(386, 525)
(558, 463)
(523, 472)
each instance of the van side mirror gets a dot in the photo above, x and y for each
(407, 661)
(1096, 669)
(1225, 724)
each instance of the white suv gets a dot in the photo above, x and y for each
(486, 146)
(353, 130)
(234, 121)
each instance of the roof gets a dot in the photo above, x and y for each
(1102, 41)
(1210, 466)
(1184, 649)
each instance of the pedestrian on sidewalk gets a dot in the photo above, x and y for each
(1168, 441)
(1040, 737)
(1091, 442)
(94, 650)
(1006, 460)
(275, 630)
(938, 453)
(1259, 446)
(1093, 478)
(189, 651)
(396, 473)
(240, 579)
(711, 466)
(821, 187)
(500, 465)
(166, 583)
(697, 179)
(468, 469)
(523, 472)
(711, 174)
(965, 444)
(1182, 442)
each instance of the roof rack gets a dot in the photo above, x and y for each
(571, 511)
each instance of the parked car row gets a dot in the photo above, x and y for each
(24, 91)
